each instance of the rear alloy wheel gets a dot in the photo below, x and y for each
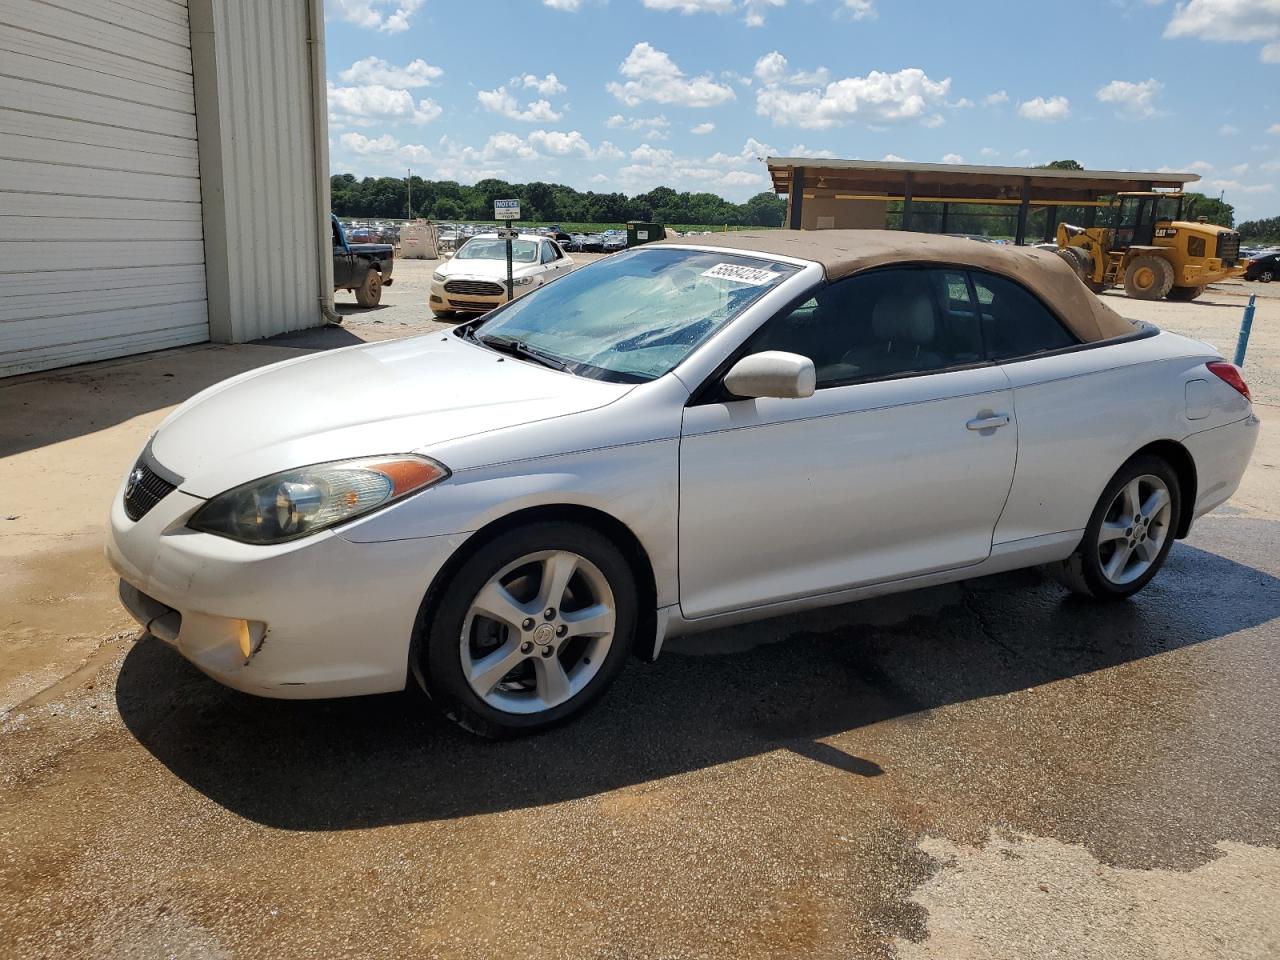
(1129, 535)
(530, 631)
(1266, 276)
(369, 293)
(1148, 277)
(1185, 293)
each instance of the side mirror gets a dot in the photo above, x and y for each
(772, 373)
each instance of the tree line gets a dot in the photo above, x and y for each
(1266, 230)
(385, 198)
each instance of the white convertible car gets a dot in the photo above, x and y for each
(678, 437)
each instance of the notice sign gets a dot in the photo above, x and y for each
(506, 209)
(740, 274)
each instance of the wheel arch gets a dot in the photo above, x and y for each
(1184, 465)
(619, 533)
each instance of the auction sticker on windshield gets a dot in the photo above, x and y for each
(740, 274)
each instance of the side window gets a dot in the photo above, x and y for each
(1014, 321)
(880, 324)
(548, 252)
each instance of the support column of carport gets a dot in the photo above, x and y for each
(796, 221)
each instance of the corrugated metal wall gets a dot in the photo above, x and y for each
(100, 220)
(253, 96)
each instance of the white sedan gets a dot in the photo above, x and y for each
(675, 438)
(474, 280)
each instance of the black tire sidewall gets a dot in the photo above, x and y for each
(440, 667)
(1139, 466)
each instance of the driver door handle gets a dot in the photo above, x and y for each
(988, 421)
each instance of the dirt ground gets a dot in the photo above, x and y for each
(987, 769)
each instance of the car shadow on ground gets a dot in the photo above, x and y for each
(782, 684)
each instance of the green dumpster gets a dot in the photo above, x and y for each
(638, 232)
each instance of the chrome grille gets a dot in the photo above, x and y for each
(475, 288)
(1229, 247)
(144, 489)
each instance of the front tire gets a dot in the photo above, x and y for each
(1129, 534)
(530, 630)
(1148, 277)
(369, 293)
(1266, 276)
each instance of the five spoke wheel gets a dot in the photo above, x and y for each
(1134, 529)
(538, 631)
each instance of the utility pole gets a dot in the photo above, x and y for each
(408, 185)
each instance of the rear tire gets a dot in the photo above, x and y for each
(1266, 276)
(529, 632)
(1129, 534)
(1148, 277)
(369, 293)
(1185, 294)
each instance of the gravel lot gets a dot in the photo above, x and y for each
(987, 769)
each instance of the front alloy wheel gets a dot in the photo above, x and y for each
(530, 630)
(538, 632)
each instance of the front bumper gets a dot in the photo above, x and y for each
(441, 299)
(321, 617)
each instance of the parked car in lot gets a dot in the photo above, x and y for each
(678, 437)
(1265, 267)
(474, 280)
(362, 268)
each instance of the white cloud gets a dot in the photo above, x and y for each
(861, 9)
(772, 69)
(989, 152)
(702, 128)
(893, 158)
(1271, 166)
(389, 16)
(1235, 186)
(359, 144)
(547, 86)
(375, 70)
(1132, 99)
(1022, 154)
(652, 75)
(655, 128)
(1230, 21)
(993, 99)
(962, 104)
(878, 97)
(364, 106)
(560, 144)
(501, 101)
(1198, 166)
(1048, 110)
(953, 158)
(753, 10)
(800, 150)
(738, 173)
(1227, 130)
(1274, 128)
(569, 6)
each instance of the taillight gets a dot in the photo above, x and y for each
(1230, 374)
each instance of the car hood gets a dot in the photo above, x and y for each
(485, 269)
(395, 397)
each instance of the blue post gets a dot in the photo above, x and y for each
(1245, 326)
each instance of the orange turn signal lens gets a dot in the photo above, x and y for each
(409, 474)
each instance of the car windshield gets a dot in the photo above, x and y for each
(491, 248)
(634, 316)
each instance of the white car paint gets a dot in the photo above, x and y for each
(528, 276)
(743, 508)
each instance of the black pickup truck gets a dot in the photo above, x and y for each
(363, 268)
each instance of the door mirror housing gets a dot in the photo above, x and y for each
(773, 373)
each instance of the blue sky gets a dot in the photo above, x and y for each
(629, 94)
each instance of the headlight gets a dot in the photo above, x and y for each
(438, 276)
(524, 281)
(297, 503)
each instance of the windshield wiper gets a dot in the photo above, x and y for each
(515, 347)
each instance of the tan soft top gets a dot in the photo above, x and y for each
(845, 252)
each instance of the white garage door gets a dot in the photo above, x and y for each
(101, 252)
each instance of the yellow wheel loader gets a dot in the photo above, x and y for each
(1151, 250)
